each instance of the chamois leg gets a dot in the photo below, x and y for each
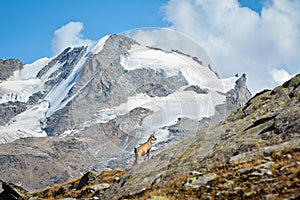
(136, 156)
(148, 154)
(136, 159)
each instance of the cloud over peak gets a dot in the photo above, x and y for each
(68, 35)
(239, 39)
(279, 76)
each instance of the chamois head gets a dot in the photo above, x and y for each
(152, 138)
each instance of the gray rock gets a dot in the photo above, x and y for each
(198, 181)
(35, 98)
(101, 186)
(197, 89)
(87, 179)
(45, 69)
(7, 68)
(12, 191)
(238, 96)
(9, 110)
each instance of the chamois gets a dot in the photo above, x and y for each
(143, 149)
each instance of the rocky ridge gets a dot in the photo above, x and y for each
(254, 153)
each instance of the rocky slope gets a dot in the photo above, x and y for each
(254, 153)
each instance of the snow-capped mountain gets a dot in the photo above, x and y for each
(92, 85)
(112, 95)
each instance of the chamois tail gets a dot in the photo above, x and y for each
(135, 151)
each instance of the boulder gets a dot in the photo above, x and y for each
(12, 191)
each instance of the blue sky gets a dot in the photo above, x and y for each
(253, 4)
(28, 25)
(258, 37)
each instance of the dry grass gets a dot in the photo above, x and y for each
(238, 181)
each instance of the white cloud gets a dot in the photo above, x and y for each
(68, 35)
(240, 40)
(280, 76)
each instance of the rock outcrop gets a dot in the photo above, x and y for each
(12, 192)
(197, 89)
(238, 96)
(9, 110)
(7, 68)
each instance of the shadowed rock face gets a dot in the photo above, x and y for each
(7, 68)
(12, 192)
(9, 110)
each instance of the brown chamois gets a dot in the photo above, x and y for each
(143, 149)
